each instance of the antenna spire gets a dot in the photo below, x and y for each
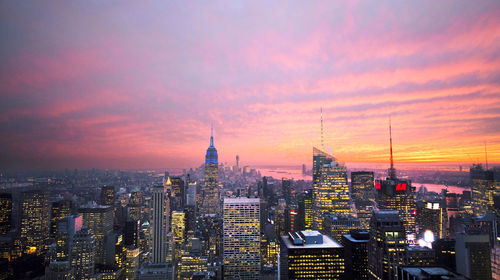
(211, 135)
(486, 155)
(392, 171)
(322, 146)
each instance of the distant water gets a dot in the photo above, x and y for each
(295, 172)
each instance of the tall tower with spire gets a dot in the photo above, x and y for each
(211, 201)
(397, 194)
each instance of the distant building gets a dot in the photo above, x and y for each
(386, 248)
(483, 189)
(135, 206)
(107, 195)
(211, 201)
(356, 254)
(5, 213)
(178, 231)
(241, 238)
(155, 271)
(286, 190)
(311, 255)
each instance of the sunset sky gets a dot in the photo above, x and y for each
(111, 84)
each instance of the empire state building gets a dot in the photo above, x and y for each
(211, 201)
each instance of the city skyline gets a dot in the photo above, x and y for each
(135, 86)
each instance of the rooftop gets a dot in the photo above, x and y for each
(327, 241)
(240, 200)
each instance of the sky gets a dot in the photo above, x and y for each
(118, 84)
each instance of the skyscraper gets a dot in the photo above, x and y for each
(34, 219)
(59, 210)
(5, 212)
(211, 201)
(356, 254)
(363, 195)
(311, 255)
(305, 211)
(159, 224)
(483, 189)
(83, 254)
(387, 244)
(99, 219)
(397, 194)
(286, 190)
(135, 206)
(330, 188)
(178, 230)
(241, 239)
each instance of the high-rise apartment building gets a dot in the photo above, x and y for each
(211, 200)
(331, 191)
(99, 219)
(311, 255)
(241, 238)
(387, 244)
(34, 220)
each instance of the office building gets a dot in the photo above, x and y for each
(311, 255)
(159, 223)
(445, 253)
(331, 191)
(286, 190)
(178, 231)
(135, 206)
(363, 195)
(473, 255)
(34, 220)
(99, 219)
(59, 270)
(211, 201)
(495, 261)
(336, 226)
(356, 254)
(241, 238)
(419, 256)
(5, 213)
(59, 210)
(67, 227)
(305, 211)
(483, 189)
(178, 193)
(132, 263)
(386, 247)
(83, 252)
(430, 218)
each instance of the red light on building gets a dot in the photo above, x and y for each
(401, 187)
(377, 185)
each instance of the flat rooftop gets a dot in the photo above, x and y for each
(328, 242)
(241, 200)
